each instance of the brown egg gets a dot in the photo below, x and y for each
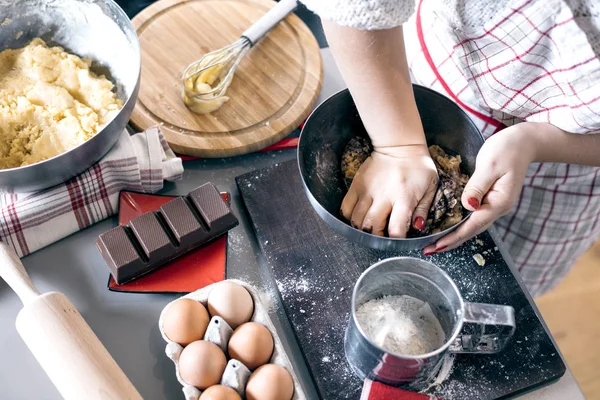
(252, 344)
(202, 364)
(270, 382)
(220, 392)
(231, 302)
(185, 321)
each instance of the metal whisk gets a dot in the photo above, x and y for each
(218, 67)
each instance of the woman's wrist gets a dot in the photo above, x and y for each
(547, 143)
(404, 151)
(525, 140)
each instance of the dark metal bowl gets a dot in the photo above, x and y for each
(96, 29)
(333, 123)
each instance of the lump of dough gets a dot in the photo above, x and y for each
(355, 153)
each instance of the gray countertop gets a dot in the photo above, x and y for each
(126, 323)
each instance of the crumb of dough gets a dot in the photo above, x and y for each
(479, 242)
(6, 22)
(479, 259)
(446, 209)
(50, 102)
(356, 152)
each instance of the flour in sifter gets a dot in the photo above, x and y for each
(401, 325)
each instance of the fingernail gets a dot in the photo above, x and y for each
(429, 253)
(419, 223)
(440, 248)
(473, 202)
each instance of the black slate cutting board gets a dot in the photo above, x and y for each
(315, 270)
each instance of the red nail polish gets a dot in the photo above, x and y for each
(419, 223)
(440, 248)
(473, 202)
(429, 253)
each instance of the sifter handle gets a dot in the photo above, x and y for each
(269, 20)
(491, 326)
(13, 272)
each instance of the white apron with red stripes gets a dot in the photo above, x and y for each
(528, 63)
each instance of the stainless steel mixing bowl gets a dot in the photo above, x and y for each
(96, 29)
(336, 121)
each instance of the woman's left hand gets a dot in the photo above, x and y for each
(491, 192)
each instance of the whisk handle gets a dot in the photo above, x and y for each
(269, 20)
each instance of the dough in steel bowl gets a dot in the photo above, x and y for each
(446, 209)
(50, 102)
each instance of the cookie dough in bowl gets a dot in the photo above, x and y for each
(69, 101)
(329, 130)
(50, 102)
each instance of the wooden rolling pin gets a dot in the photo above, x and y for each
(63, 343)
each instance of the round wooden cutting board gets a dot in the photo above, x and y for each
(273, 91)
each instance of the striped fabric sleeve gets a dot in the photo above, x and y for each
(363, 14)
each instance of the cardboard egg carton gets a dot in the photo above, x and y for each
(236, 373)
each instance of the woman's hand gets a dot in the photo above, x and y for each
(396, 182)
(399, 180)
(491, 192)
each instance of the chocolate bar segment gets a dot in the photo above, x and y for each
(155, 238)
(119, 253)
(211, 207)
(152, 237)
(182, 222)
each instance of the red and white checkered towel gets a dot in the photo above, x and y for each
(140, 162)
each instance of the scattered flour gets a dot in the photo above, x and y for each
(267, 301)
(295, 285)
(401, 325)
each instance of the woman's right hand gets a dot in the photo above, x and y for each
(396, 182)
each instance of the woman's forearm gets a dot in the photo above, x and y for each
(373, 65)
(555, 145)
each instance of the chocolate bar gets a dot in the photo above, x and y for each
(155, 238)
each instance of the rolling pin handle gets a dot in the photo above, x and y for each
(13, 272)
